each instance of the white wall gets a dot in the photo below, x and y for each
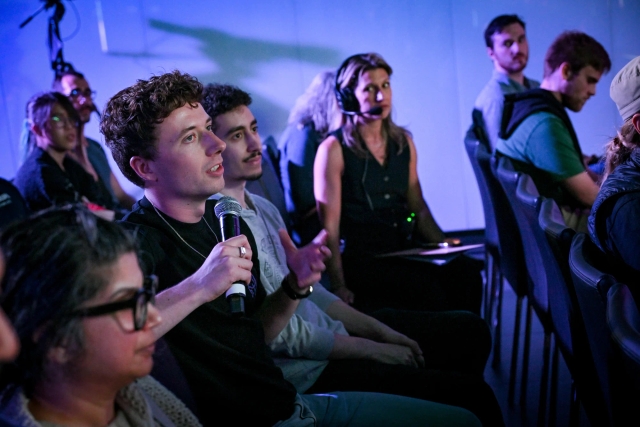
(273, 49)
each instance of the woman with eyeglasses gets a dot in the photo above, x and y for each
(84, 315)
(48, 175)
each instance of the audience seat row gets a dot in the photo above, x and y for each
(591, 319)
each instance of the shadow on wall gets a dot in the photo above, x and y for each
(238, 59)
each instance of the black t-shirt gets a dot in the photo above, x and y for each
(225, 359)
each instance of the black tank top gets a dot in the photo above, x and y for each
(374, 201)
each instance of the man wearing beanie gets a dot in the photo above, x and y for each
(537, 134)
(613, 224)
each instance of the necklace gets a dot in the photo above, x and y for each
(178, 234)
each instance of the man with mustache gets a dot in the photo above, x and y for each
(508, 48)
(89, 153)
(537, 134)
(328, 345)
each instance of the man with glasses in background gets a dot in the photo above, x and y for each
(89, 153)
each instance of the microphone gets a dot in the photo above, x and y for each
(228, 212)
(375, 111)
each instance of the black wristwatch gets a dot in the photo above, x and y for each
(286, 288)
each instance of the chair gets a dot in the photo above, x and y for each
(269, 185)
(508, 259)
(554, 238)
(623, 318)
(525, 202)
(592, 284)
(546, 245)
(474, 137)
(12, 204)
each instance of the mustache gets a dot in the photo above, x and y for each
(252, 155)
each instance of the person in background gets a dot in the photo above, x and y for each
(88, 337)
(48, 176)
(9, 345)
(367, 191)
(163, 141)
(88, 152)
(313, 116)
(508, 49)
(538, 135)
(336, 347)
(613, 223)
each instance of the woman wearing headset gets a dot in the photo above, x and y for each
(367, 191)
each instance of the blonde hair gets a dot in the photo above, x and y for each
(348, 76)
(318, 105)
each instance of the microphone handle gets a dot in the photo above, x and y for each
(230, 226)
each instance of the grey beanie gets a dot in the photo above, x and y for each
(625, 89)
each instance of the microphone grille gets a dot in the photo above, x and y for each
(227, 205)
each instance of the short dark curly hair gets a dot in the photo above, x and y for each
(219, 99)
(578, 50)
(130, 117)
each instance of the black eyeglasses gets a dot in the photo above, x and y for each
(86, 94)
(139, 303)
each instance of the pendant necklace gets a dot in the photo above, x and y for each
(178, 234)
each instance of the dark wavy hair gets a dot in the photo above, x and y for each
(497, 24)
(130, 117)
(348, 76)
(55, 260)
(219, 99)
(579, 50)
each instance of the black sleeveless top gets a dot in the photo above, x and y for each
(374, 201)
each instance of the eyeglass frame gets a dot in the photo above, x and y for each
(86, 94)
(148, 292)
(62, 122)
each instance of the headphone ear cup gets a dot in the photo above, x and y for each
(347, 100)
(350, 102)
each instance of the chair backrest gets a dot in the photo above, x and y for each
(12, 204)
(269, 185)
(592, 284)
(623, 318)
(471, 143)
(507, 235)
(525, 202)
(554, 240)
(479, 130)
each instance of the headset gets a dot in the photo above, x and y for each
(347, 100)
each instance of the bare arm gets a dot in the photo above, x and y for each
(582, 188)
(327, 177)
(364, 326)
(427, 226)
(125, 199)
(222, 268)
(346, 347)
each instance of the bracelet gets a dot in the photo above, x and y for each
(288, 290)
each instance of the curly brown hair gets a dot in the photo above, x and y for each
(218, 99)
(579, 50)
(130, 117)
(619, 149)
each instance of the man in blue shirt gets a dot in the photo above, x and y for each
(508, 48)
